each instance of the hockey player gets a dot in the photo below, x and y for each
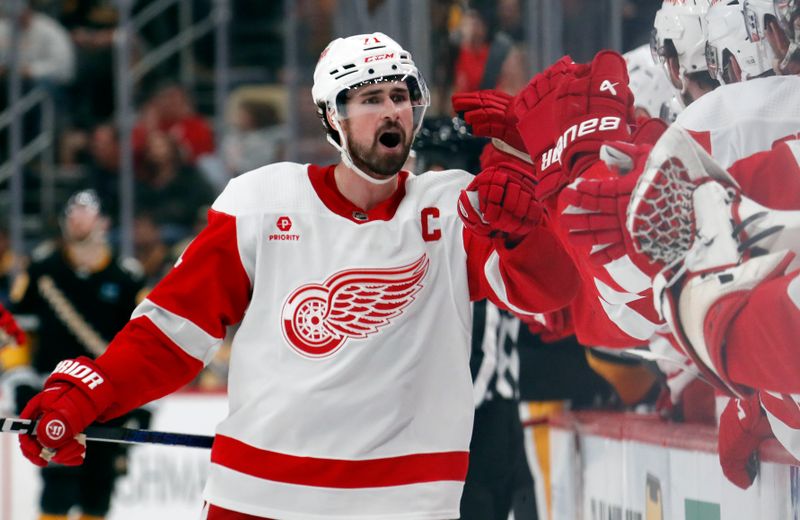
(732, 55)
(678, 43)
(349, 384)
(653, 94)
(82, 294)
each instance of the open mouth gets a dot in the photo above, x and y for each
(390, 139)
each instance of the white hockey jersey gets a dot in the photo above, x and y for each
(737, 120)
(349, 385)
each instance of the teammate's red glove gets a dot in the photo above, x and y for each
(742, 428)
(550, 326)
(492, 156)
(9, 326)
(500, 203)
(74, 396)
(490, 113)
(596, 219)
(591, 108)
(533, 107)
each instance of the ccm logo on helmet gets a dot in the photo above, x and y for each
(75, 369)
(589, 126)
(379, 57)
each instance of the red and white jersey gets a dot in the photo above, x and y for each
(737, 120)
(349, 385)
(737, 124)
(783, 413)
(614, 307)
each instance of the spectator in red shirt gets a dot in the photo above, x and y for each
(171, 111)
(486, 62)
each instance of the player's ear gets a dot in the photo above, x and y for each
(329, 118)
(673, 67)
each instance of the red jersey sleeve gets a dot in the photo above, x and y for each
(535, 276)
(769, 318)
(771, 177)
(176, 330)
(615, 305)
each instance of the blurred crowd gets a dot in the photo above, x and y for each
(180, 166)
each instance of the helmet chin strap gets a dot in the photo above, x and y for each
(347, 159)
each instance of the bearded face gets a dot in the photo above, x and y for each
(378, 124)
(385, 153)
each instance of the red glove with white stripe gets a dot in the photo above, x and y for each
(500, 203)
(742, 428)
(74, 396)
(591, 108)
(490, 113)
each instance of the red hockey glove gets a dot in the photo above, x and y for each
(499, 203)
(550, 326)
(533, 107)
(742, 428)
(649, 131)
(595, 217)
(492, 156)
(74, 396)
(490, 114)
(9, 327)
(591, 108)
(551, 181)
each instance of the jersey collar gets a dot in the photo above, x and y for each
(324, 184)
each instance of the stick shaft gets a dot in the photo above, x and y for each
(121, 435)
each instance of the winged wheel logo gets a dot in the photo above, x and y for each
(317, 319)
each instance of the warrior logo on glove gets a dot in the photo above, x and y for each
(55, 429)
(72, 367)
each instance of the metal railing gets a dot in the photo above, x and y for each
(128, 74)
(20, 153)
(41, 146)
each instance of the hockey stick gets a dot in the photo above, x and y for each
(120, 435)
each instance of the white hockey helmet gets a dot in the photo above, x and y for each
(348, 63)
(756, 14)
(788, 14)
(729, 45)
(682, 24)
(651, 88)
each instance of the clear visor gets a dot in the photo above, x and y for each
(401, 99)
